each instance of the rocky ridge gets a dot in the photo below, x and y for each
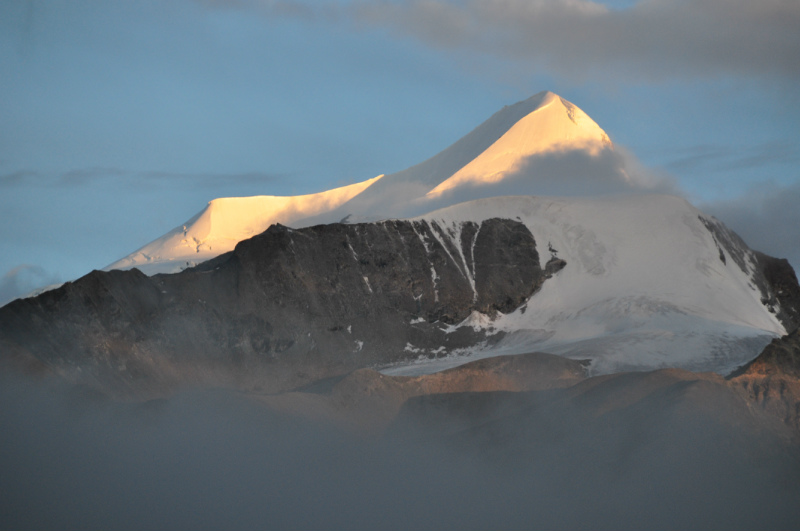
(285, 308)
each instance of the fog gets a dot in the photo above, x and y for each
(214, 459)
(568, 173)
(560, 173)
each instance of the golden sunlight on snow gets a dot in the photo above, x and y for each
(556, 125)
(227, 221)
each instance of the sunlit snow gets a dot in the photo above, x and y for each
(644, 285)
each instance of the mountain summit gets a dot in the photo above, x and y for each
(549, 124)
(460, 257)
(540, 146)
(525, 148)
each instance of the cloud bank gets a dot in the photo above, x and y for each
(216, 460)
(655, 39)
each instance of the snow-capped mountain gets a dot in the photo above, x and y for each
(227, 221)
(496, 158)
(649, 282)
(477, 262)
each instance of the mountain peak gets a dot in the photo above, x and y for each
(547, 123)
(498, 148)
(542, 98)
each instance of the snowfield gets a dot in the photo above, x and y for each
(227, 221)
(646, 285)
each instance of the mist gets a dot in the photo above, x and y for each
(570, 172)
(213, 459)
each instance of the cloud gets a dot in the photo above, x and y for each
(84, 176)
(655, 39)
(563, 173)
(22, 280)
(214, 179)
(727, 158)
(81, 177)
(215, 459)
(16, 178)
(658, 38)
(767, 218)
(567, 173)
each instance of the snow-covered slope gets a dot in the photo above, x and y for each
(478, 164)
(646, 285)
(225, 222)
(648, 281)
(492, 153)
(554, 125)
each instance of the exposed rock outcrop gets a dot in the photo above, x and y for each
(781, 291)
(284, 308)
(774, 277)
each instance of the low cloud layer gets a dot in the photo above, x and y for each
(657, 39)
(215, 460)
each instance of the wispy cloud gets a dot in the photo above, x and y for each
(213, 179)
(16, 178)
(726, 158)
(83, 176)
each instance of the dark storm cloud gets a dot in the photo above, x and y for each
(767, 218)
(654, 39)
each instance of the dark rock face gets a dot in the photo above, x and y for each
(783, 294)
(284, 308)
(773, 277)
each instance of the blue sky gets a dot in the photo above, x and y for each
(119, 120)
